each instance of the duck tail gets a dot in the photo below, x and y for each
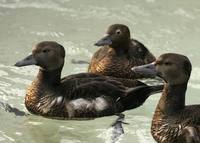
(135, 97)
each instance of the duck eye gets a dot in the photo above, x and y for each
(167, 63)
(118, 32)
(45, 50)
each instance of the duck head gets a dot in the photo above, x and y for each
(173, 68)
(48, 55)
(117, 35)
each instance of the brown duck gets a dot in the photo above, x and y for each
(119, 53)
(84, 95)
(173, 121)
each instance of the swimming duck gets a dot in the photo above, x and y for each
(119, 53)
(84, 95)
(173, 121)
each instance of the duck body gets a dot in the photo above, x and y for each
(171, 124)
(106, 61)
(77, 96)
(173, 121)
(119, 53)
(74, 98)
(81, 96)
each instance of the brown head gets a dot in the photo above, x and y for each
(173, 68)
(117, 35)
(49, 55)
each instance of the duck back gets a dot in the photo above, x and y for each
(107, 61)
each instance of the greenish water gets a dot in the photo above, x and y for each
(163, 26)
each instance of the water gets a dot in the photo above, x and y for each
(163, 26)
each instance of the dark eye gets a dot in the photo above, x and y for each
(45, 50)
(118, 32)
(167, 63)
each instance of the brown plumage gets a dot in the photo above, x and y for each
(119, 53)
(173, 121)
(84, 95)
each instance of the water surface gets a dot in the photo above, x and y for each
(163, 26)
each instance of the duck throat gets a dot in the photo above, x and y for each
(121, 48)
(51, 78)
(173, 99)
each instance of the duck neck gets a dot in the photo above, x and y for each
(121, 48)
(173, 98)
(50, 78)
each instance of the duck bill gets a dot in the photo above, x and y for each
(147, 70)
(106, 40)
(30, 60)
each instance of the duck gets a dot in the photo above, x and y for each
(118, 53)
(77, 96)
(173, 120)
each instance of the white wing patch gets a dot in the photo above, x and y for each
(80, 103)
(100, 104)
(59, 99)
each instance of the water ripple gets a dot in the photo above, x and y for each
(73, 49)
(34, 4)
(184, 13)
(48, 33)
(4, 137)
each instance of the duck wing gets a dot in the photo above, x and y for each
(136, 96)
(140, 52)
(98, 87)
(86, 85)
(123, 98)
(87, 77)
(191, 124)
(181, 127)
(80, 75)
(190, 134)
